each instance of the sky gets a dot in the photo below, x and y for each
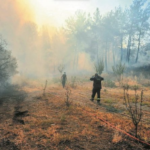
(57, 11)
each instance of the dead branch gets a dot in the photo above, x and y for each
(132, 105)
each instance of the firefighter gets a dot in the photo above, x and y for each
(64, 79)
(96, 87)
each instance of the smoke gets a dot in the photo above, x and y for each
(39, 51)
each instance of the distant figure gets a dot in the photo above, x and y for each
(64, 79)
(96, 87)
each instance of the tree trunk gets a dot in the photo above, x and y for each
(75, 65)
(139, 43)
(136, 130)
(106, 56)
(128, 49)
(113, 51)
(97, 52)
(121, 45)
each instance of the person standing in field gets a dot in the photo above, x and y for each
(64, 79)
(96, 87)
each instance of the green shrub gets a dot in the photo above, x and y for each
(118, 69)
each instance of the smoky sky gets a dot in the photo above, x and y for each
(23, 39)
(38, 51)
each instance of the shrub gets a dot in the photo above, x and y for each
(134, 106)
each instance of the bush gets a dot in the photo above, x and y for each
(134, 106)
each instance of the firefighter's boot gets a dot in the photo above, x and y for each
(98, 101)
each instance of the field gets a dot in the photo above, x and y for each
(50, 122)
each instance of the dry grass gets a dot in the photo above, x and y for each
(53, 125)
(117, 136)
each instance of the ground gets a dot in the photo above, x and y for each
(50, 124)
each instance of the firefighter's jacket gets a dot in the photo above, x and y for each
(97, 81)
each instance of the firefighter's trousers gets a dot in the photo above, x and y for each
(96, 91)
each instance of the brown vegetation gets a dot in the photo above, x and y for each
(52, 125)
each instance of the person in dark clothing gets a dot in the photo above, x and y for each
(96, 87)
(64, 79)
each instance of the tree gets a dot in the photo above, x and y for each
(99, 66)
(61, 68)
(120, 18)
(117, 36)
(76, 27)
(118, 70)
(137, 26)
(96, 27)
(142, 26)
(8, 64)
